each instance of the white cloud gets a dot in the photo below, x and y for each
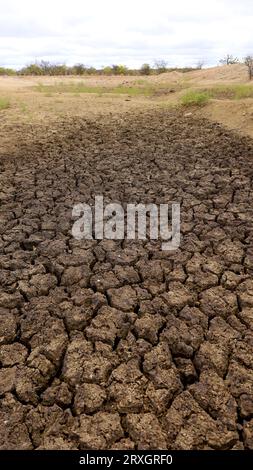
(104, 32)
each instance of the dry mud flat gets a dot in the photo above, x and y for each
(119, 345)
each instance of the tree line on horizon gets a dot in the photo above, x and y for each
(47, 68)
(160, 66)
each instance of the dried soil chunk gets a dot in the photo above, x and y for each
(11, 354)
(14, 433)
(213, 396)
(109, 324)
(248, 434)
(74, 275)
(212, 356)
(89, 398)
(190, 427)
(8, 326)
(99, 431)
(146, 431)
(218, 301)
(148, 327)
(81, 364)
(123, 298)
(127, 388)
(45, 423)
(178, 296)
(7, 380)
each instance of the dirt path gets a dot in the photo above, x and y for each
(119, 344)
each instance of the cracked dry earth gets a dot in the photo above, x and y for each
(115, 344)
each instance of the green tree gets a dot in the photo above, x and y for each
(31, 69)
(107, 70)
(145, 69)
(79, 69)
(7, 71)
(60, 69)
(91, 71)
(119, 69)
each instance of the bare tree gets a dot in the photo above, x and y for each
(160, 65)
(200, 64)
(229, 60)
(249, 62)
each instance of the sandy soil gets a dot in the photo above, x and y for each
(225, 74)
(29, 106)
(237, 115)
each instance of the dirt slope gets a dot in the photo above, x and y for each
(109, 344)
(237, 114)
(236, 73)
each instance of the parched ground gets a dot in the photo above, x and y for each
(119, 345)
(41, 100)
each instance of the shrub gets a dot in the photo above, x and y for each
(6, 71)
(4, 103)
(145, 69)
(243, 91)
(91, 71)
(45, 68)
(230, 92)
(194, 98)
(32, 69)
(78, 69)
(59, 70)
(107, 70)
(119, 69)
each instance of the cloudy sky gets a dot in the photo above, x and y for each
(130, 32)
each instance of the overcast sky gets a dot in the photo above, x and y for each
(130, 32)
